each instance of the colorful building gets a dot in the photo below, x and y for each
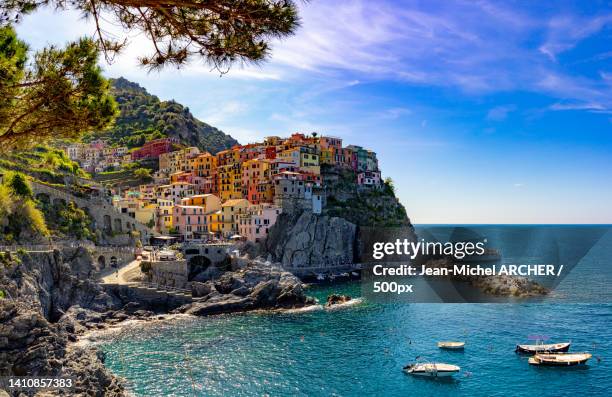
(225, 222)
(255, 223)
(209, 202)
(153, 149)
(189, 221)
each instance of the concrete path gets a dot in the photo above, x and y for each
(122, 274)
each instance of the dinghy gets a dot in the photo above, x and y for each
(560, 359)
(543, 348)
(432, 370)
(451, 345)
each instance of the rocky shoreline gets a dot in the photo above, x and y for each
(51, 305)
(498, 285)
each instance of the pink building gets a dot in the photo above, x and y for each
(369, 179)
(254, 225)
(189, 220)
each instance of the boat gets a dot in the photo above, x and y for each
(560, 359)
(451, 345)
(432, 370)
(543, 348)
(320, 277)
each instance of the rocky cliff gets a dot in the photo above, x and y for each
(253, 285)
(36, 326)
(336, 236)
(307, 239)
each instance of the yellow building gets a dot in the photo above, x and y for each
(327, 156)
(203, 165)
(214, 222)
(177, 161)
(209, 202)
(229, 181)
(226, 221)
(309, 160)
(164, 215)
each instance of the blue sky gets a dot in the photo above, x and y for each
(481, 112)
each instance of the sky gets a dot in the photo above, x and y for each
(480, 111)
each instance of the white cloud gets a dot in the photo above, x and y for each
(500, 113)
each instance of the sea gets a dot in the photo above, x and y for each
(360, 349)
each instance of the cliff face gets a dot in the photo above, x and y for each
(334, 237)
(361, 206)
(306, 239)
(52, 282)
(41, 292)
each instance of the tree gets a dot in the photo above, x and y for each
(19, 185)
(221, 31)
(143, 173)
(60, 94)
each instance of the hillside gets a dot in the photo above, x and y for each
(144, 117)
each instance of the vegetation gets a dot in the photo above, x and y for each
(75, 222)
(143, 173)
(143, 117)
(222, 32)
(46, 164)
(364, 207)
(19, 217)
(59, 93)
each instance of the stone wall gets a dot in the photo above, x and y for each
(170, 273)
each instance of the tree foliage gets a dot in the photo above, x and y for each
(60, 94)
(220, 31)
(19, 217)
(19, 185)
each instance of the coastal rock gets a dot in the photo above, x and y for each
(32, 346)
(309, 239)
(498, 285)
(256, 286)
(202, 289)
(46, 306)
(335, 299)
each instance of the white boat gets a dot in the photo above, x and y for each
(320, 277)
(432, 370)
(543, 348)
(451, 345)
(560, 359)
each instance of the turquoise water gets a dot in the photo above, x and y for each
(360, 350)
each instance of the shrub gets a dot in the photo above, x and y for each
(19, 184)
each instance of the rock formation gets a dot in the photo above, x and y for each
(307, 239)
(335, 299)
(35, 334)
(255, 286)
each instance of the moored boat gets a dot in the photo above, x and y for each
(543, 348)
(433, 370)
(560, 359)
(451, 345)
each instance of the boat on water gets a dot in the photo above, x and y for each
(451, 345)
(432, 370)
(560, 359)
(543, 348)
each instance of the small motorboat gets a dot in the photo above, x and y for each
(560, 359)
(543, 348)
(320, 277)
(432, 370)
(451, 345)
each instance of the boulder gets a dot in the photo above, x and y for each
(335, 299)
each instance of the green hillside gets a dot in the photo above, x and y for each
(144, 117)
